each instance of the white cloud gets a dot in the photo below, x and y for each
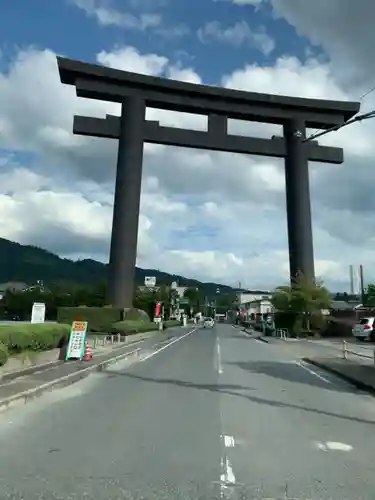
(237, 34)
(107, 16)
(244, 2)
(214, 216)
(343, 28)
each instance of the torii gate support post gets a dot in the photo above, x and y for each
(301, 249)
(123, 252)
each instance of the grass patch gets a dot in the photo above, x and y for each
(20, 339)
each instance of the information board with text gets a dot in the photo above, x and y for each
(77, 340)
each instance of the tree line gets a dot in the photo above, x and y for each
(18, 305)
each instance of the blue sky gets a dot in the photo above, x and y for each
(72, 31)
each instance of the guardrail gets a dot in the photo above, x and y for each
(102, 340)
(346, 351)
(282, 333)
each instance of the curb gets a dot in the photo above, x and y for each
(262, 339)
(347, 378)
(12, 375)
(30, 394)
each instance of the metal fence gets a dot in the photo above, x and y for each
(102, 340)
(282, 333)
(346, 351)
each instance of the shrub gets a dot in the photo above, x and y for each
(337, 328)
(99, 319)
(285, 320)
(136, 315)
(170, 323)
(3, 354)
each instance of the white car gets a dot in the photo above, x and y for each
(364, 329)
(208, 323)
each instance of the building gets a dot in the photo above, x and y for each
(12, 286)
(262, 306)
(245, 297)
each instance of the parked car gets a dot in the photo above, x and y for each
(208, 323)
(364, 329)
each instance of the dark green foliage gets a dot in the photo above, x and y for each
(99, 319)
(28, 264)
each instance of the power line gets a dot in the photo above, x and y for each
(358, 118)
(367, 93)
(372, 89)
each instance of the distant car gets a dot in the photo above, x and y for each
(364, 329)
(208, 323)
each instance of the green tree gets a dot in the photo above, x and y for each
(303, 299)
(225, 302)
(194, 296)
(370, 296)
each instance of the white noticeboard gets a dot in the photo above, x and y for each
(150, 281)
(77, 340)
(38, 312)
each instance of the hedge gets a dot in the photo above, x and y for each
(129, 327)
(267, 329)
(336, 327)
(15, 338)
(4, 354)
(99, 319)
(171, 323)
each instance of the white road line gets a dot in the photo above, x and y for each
(219, 365)
(229, 441)
(333, 446)
(227, 477)
(299, 363)
(170, 343)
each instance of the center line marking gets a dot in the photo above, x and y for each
(227, 477)
(229, 441)
(219, 365)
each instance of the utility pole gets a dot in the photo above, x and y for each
(351, 277)
(362, 284)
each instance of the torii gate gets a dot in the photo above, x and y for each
(135, 92)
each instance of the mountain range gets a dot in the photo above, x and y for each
(28, 264)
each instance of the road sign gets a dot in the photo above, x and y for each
(184, 301)
(38, 312)
(150, 281)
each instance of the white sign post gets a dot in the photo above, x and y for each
(77, 340)
(38, 312)
(150, 281)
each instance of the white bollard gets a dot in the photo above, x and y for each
(344, 350)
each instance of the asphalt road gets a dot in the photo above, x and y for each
(215, 414)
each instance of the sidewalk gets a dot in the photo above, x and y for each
(22, 365)
(358, 369)
(360, 373)
(19, 388)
